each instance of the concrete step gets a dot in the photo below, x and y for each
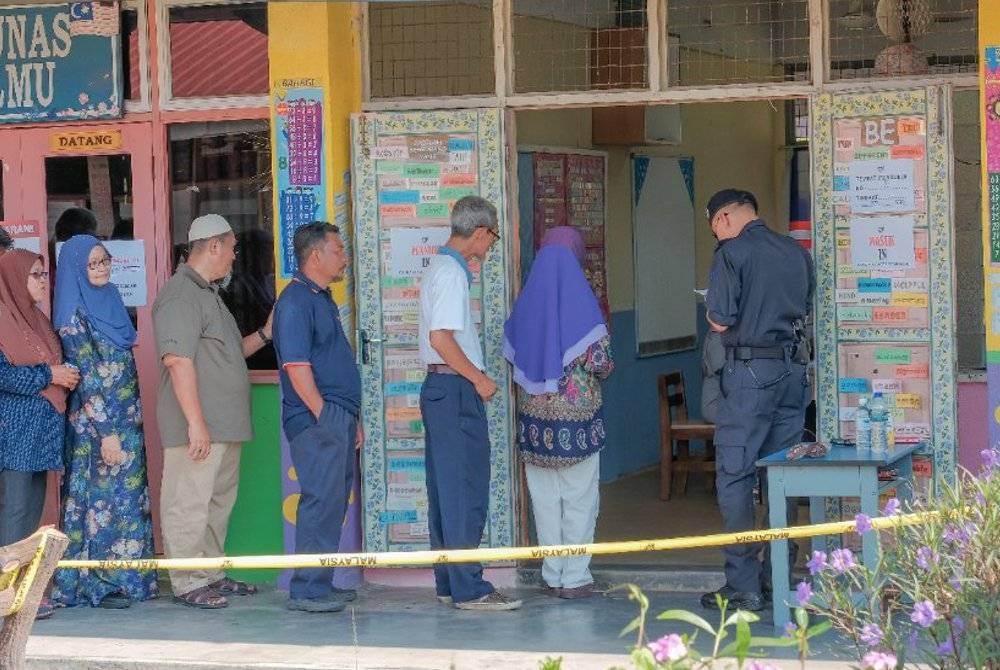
(677, 580)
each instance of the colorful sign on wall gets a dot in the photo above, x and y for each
(61, 62)
(301, 171)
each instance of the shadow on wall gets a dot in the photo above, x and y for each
(631, 403)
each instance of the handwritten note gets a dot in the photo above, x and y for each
(881, 186)
(883, 242)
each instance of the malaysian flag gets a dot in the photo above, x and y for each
(93, 18)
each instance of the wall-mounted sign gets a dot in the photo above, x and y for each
(97, 141)
(61, 62)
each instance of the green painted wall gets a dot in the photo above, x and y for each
(256, 527)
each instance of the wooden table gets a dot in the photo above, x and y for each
(844, 472)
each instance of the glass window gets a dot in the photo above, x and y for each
(225, 168)
(430, 48)
(218, 50)
(885, 39)
(569, 45)
(971, 330)
(740, 41)
(130, 55)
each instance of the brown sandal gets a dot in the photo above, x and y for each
(204, 598)
(231, 587)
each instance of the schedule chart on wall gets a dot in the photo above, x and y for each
(883, 252)
(408, 181)
(301, 175)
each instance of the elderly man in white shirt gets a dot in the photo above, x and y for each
(452, 401)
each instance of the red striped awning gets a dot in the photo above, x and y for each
(210, 58)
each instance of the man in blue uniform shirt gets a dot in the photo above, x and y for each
(321, 391)
(760, 291)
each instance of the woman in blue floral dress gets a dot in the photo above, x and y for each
(105, 494)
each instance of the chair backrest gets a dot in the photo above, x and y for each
(673, 402)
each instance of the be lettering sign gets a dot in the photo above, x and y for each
(60, 62)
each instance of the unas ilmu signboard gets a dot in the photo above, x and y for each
(60, 62)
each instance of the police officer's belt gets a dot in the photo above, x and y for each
(750, 353)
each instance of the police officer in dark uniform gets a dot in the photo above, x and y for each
(760, 292)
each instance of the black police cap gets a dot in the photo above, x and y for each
(729, 196)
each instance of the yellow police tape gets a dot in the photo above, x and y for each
(21, 595)
(417, 558)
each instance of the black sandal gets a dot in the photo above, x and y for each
(115, 601)
(231, 587)
(204, 598)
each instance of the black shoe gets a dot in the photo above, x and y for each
(767, 592)
(115, 601)
(738, 600)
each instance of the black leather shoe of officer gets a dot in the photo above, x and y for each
(742, 600)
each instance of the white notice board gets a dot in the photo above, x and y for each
(663, 238)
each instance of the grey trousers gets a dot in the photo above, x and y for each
(22, 497)
(761, 411)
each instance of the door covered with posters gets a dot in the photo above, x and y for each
(409, 168)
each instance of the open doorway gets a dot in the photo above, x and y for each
(635, 182)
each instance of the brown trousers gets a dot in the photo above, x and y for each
(196, 500)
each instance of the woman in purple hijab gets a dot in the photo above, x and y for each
(557, 341)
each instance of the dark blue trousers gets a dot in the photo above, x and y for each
(761, 411)
(323, 455)
(22, 497)
(457, 461)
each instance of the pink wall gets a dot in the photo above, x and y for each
(973, 423)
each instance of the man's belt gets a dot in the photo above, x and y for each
(441, 369)
(750, 353)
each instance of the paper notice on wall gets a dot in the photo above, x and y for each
(882, 186)
(883, 242)
(25, 235)
(410, 249)
(128, 270)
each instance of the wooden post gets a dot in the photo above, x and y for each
(25, 570)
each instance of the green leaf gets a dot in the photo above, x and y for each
(633, 625)
(801, 617)
(773, 642)
(819, 629)
(686, 617)
(741, 615)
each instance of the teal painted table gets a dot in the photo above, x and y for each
(844, 472)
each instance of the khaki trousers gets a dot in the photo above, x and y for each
(196, 500)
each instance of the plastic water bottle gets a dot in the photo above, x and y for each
(863, 425)
(879, 429)
(890, 425)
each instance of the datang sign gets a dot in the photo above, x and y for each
(60, 62)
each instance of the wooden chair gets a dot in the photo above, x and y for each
(25, 569)
(675, 427)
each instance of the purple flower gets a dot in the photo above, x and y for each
(759, 665)
(991, 459)
(980, 499)
(877, 660)
(862, 524)
(872, 635)
(958, 624)
(842, 560)
(955, 583)
(924, 614)
(946, 648)
(668, 648)
(817, 563)
(791, 629)
(892, 507)
(926, 558)
(803, 592)
(956, 535)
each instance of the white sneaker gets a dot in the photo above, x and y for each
(444, 600)
(491, 602)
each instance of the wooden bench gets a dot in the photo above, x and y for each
(675, 427)
(25, 570)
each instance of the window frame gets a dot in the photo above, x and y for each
(168, 101)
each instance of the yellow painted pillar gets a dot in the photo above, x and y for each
(314, 53)
(317, 45)
(989, 109)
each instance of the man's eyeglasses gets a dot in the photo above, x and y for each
(41, 275)
(495, 234)
(103, 263)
